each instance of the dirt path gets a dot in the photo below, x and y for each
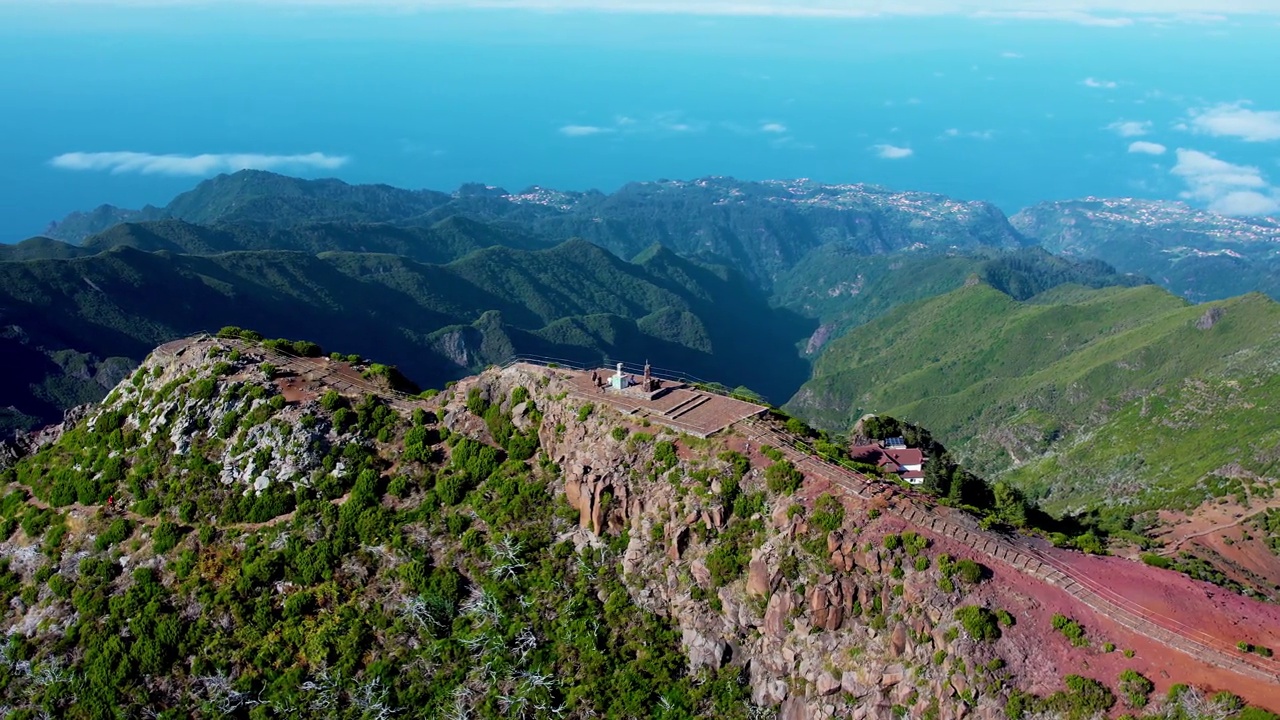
(1191, 521)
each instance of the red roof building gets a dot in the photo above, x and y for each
(907, 463)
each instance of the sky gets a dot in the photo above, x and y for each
(1014, 102)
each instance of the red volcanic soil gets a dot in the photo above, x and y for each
(296, 390)
(1202, 611)
(1223, 534)
(1040, 657)
(1205, 608)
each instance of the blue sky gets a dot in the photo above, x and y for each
(130, 103)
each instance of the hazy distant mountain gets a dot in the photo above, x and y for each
(760, 228)
(444, 241)
(1194, 253)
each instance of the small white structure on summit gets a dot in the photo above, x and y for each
(620, 381)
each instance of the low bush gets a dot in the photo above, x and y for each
(979, 622)
(1070, 629)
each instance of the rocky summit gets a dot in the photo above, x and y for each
(241, 529)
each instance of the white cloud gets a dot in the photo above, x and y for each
(1098, 13)
(1236, 120)
(1247, 203)
(1079, 17)
(773, 127)
(1130, 128)
(1147, 148)
(583, 130)
(975, 134)
(1225, 187)
(1096, 83)
(206, 164)
(892, 152)
(659, 123)
(1010, 55)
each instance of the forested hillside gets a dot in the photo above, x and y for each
(437, 322)
(1119, 395)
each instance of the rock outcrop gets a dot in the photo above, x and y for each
(823, 624)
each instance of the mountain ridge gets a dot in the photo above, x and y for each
(1013, 386)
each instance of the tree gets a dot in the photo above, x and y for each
(1010, 505)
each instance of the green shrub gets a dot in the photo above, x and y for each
(399, 486)
(166, 536)
(914, 543)
(732, 551)
(585, 411)
(1083, 698)
(969, 571)
(1157, 561)
(118, 530)
(979, 622)
(619, 433)
(828, 513)
(783, 478)
(892, 542)
(1135, 688)
(204, 388)
(332, 400)
(1070, 629)
(664, 455)
(1006, 618)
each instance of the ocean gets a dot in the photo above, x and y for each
(1011, 111)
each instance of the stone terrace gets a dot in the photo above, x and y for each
(678, 406)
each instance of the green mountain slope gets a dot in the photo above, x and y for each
(437, 322)
(1007, 383)
(844, 288)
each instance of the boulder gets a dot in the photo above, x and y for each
(827, 684)
(898, 640)
(678, 540)
(852, 685)
(776, 614)
(758, 576)
(703, 650)
(795, 708)
(701, 574)
(767, 690)
(892, 675)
